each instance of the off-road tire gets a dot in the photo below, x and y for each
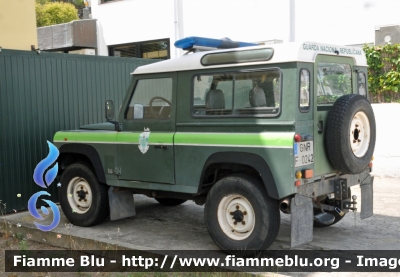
(170, 201)
(247, 196)
(79, 179)
(350, 148)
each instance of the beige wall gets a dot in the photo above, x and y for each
(18, 24)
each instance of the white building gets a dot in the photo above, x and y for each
(149, 28)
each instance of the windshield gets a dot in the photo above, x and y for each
(334, 80)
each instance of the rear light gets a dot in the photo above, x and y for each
(297, 183)
(297, 138)
(308, 173)
(298, 174)
(370, 163)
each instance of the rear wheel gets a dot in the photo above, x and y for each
(240, 216)
(83, 199)
(170, 201)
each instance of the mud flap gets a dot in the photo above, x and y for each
(367, 198)
(302, 216)
(121, 203)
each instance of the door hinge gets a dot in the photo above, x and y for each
(117, 171)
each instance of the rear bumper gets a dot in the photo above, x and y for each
(302, 208)
(325, 186)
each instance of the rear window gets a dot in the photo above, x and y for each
(237, 94)
(334, 80)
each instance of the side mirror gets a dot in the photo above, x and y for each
(110, 110)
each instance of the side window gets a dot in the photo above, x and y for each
(212, 93)
(304, 90)
(334, 80)
(362, 84)
(151, 99)
(238, 94)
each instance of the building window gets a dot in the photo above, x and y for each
(155, 49)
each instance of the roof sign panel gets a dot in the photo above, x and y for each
(309, 50)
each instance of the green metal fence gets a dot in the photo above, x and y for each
(41, 93)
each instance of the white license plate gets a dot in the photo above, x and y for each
(303, 153)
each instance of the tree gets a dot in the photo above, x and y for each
(50, 13)
(79, 5)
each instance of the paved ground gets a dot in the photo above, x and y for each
(156, 227)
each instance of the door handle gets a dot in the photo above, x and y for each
(164, 147)
(320, 126)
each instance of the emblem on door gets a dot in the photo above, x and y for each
(144, 140)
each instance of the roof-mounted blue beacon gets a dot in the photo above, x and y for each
(204, 44)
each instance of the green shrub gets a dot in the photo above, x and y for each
(384, 72)
(53, 13)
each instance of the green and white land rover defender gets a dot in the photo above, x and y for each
(248, 131)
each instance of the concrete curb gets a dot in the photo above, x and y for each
(57, 239)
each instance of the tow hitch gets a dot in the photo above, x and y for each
(342, 197)
(351, 205)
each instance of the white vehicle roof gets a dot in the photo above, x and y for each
(283, 52)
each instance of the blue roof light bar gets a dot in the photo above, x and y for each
(192, 42)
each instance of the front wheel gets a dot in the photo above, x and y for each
(240, 216)
(83, 199)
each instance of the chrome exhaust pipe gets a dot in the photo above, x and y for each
(284, 205)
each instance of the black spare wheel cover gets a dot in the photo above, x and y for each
(350, 134)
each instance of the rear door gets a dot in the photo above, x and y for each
(333, 77)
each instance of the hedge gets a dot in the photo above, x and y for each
(383, 72)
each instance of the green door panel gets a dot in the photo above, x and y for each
(322, 165)
(155, 165)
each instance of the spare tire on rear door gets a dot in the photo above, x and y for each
(350, 133)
